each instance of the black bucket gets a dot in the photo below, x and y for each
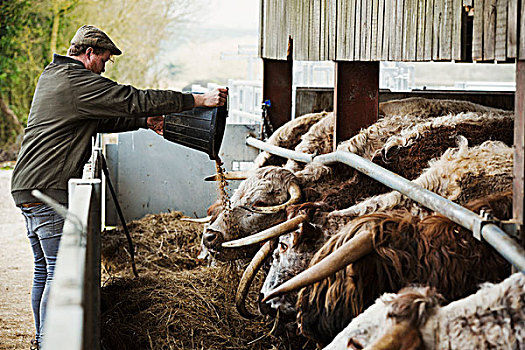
(201, 128)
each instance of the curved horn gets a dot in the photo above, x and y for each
(248, 276)
(198, 220)
(269, 233)
(295, 196)
(230, 175)
(359, 246)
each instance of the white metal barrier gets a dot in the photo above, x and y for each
(73, 312)
(245, 98)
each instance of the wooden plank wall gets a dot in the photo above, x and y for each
(394, 30)
(495, 30)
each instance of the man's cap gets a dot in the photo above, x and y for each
(94, 37)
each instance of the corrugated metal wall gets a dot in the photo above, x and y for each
(393, 30)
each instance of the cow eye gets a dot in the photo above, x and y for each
(283, 247)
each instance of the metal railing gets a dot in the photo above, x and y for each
(482, 228)
(73, 312)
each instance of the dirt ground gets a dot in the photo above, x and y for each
(16, 264)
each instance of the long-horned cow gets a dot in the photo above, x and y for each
(384, 252)
(261, 200)
(324, 309)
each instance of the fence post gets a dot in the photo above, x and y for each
(91, 334)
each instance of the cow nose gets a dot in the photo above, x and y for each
(265, 308)
(211, 238)
(354, 344)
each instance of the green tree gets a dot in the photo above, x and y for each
(31, 31)
(11, 26)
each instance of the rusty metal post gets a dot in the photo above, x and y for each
(519, 149)
(356, 97)
(277, 87)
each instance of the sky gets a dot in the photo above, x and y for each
(232, 14)
(218, 26)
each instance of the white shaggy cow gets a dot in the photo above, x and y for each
(492, 318)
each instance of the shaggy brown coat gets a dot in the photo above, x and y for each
(407, 250)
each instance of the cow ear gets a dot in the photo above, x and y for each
(306, 233)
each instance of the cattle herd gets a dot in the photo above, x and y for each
(335, 245)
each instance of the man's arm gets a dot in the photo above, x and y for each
(121, 124)
(100, 98)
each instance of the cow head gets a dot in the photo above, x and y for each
(292, 256)
(393, 322)
(259, 202)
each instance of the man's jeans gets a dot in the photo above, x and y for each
(44, 230)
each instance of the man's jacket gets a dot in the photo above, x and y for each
(71, 104)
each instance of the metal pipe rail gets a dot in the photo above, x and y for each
(283, 152)
(480, 227)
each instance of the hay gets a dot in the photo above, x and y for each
(177, 302)
(161, 241)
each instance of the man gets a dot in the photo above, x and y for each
(71, 104)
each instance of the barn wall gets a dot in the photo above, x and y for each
(310, 100)
(394, 30)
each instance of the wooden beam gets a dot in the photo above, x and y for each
(331, 19)
(380, 30)
(489, 30)
(410, 32)
(521, 24)
(512, 28)
(429, 23)
(501, 31)
(400, 30)
(519, 147)
(421, 16)
(457, 22)
(358, 30)
(389, 31)
(356, 97)
(445, 35)
(477, 32)
(373, 38)
(437, 29)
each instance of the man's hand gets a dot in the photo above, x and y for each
(156, 124)
(214, 98)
